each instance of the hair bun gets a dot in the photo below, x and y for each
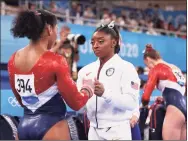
(149, 47)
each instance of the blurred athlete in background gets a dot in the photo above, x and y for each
(169, 79)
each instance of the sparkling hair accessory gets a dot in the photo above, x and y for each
(111, 24)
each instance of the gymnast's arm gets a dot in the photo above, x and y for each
(150, 85)
(67, 87)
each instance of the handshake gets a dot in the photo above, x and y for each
(92, 86)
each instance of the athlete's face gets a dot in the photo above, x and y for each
(149, 62)
(102, 44)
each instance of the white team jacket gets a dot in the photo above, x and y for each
(120, 98)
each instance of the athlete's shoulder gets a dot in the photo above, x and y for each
(50, 54)
(11, 62)
(11, 59)
(16, 53)
(54, 57)
(128, 68)
(87, 68)
(161, 67)
(157, 69)
(127, 65)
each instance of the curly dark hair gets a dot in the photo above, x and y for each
(31, 24)
(114, 32)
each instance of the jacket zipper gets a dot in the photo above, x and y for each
(96, 96)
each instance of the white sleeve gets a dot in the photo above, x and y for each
(79, 86)
(79, 80)
(129, 85)
(136, 111)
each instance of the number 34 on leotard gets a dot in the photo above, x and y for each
(24, 85)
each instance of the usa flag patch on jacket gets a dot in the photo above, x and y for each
(134, 85)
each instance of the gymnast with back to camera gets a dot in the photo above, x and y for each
(169, 79)
(40, 79)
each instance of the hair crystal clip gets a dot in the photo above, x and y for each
(111, 24)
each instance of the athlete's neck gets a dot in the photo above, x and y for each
(160, 61)
(105, 59)
(39, 46)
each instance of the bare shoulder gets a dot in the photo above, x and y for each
(20, 52)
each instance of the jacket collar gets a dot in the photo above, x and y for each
(110, 61)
